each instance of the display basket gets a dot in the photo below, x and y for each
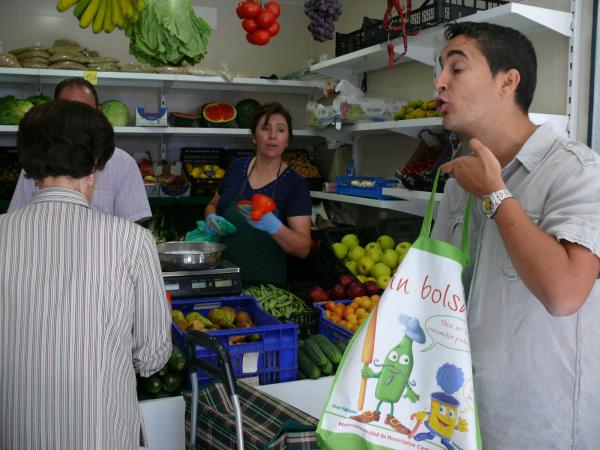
(370, 187)
(272, 358)
(332, 331)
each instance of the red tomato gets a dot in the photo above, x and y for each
(274, 7)
(259, 37)
(249, 25)
(238, 10)
(274, 28)
(249, 9)
(265, 19)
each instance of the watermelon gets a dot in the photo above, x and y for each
(245, 112)
(218, 114)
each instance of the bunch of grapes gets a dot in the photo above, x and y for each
(322, 15)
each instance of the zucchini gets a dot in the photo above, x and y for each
(177, 359)
(328, 348)
(312, 349)
(151, 384)
(309, 368)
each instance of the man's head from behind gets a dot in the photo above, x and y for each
(77, 89)
(504, 49)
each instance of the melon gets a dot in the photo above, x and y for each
(245, 112)
(219, 114)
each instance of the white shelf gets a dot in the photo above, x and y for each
(165, 81)
(407, 194)
(421, 47)
(415, 205)
(407, 127)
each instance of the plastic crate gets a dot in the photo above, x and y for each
(431, 13)
(273, 358)
(344, 186)
(330, 330)
(348, 42)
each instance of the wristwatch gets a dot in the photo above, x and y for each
(491, 201)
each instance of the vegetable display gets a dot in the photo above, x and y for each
(259, 20)
(318, 356)
(116, 112)
(12, 109)
(103, 15)
(167, 382)
(322, 15)
(278, 302)
(168, 33)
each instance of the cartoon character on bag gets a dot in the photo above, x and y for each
(442, 418)
(393, 381)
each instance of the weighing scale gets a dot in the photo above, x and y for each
(219, 281)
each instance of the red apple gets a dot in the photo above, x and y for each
(338, 291)
(346, 279)
(318, 294)
(355, 289)
(371, 288)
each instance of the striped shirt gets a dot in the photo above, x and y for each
(119, 189)
(82, 308)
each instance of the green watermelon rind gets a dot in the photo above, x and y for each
(219, 124)
(245, 111)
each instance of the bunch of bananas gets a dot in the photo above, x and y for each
(104, 15)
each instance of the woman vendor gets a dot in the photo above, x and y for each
(259, 248)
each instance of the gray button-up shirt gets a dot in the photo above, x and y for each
(119, 189)
(535, 375)
(82, 307)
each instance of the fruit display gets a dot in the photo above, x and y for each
(103, 15)
(376, 261)
(204, 171)
(219, 114)
(347, 286)
(322, 14)
(245, 110)
(417, 109)
(259, 20)
(318, 356)
(167, 382)
(352, 315)
(300, 162)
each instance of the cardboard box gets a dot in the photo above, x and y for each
(151, 119)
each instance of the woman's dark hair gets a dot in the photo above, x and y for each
(266, 110)
(62, 137)
(504, 49)
(76, 82)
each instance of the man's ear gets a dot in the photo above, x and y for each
(510, 81)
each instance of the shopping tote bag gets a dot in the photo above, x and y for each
(405, 381)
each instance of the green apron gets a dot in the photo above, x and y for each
(259, 257)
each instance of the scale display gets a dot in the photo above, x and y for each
(220, 281)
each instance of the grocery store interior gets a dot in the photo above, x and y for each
(366, 139)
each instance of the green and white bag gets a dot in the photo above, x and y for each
(406, 381)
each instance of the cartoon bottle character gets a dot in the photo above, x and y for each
(442, 418)
(393, 380)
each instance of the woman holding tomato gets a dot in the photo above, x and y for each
(259, 247)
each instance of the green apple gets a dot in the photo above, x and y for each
(365, 265)
(340, 250)
(390, 258)
(350, 241)
(360, 277)
(383, 281)
(371, 279)
(380, 269)
(356, 253)
(374, 252)
(386, 242)
(401, 249)
(352, 266)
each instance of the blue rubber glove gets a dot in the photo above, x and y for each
(212, 225)
(268, 223)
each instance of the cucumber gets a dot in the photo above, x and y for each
(341, 345)
(310, 369)
(328, 348)
(312, 349)
(176, 361)
(327, 369)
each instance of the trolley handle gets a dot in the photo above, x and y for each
(225, 370)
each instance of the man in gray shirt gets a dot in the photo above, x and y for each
(533, 298)
(119, 188)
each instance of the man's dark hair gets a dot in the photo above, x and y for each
(266, 110)
(61, 138)
(504, 49)
(76, 82)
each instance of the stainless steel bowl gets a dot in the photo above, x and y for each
(189, 255)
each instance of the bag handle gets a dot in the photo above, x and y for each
(428, 219)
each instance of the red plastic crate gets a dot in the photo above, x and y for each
(274, 357)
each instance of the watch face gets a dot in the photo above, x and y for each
(486, 206)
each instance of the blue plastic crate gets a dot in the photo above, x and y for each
(344, 186)
(273, 358)
(331, 330)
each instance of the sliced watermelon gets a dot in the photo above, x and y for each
(219, 114)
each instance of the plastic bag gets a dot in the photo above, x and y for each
(200, 234)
